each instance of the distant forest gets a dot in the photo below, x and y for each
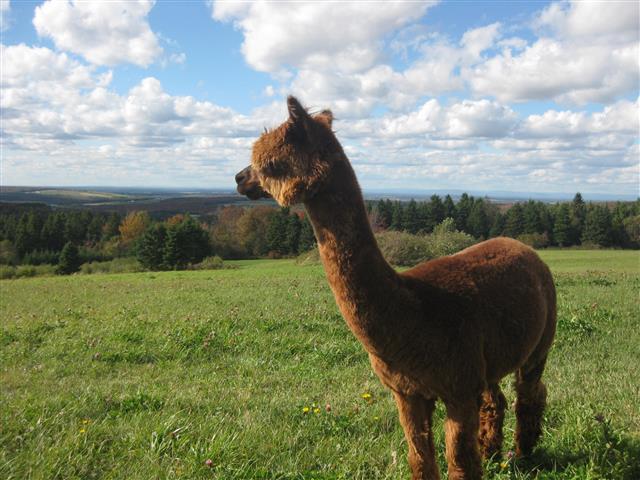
(35, 234)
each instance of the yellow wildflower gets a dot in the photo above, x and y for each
(366, 396)
(82, 430)
(305, 410)
(316, 410)
(504, 464)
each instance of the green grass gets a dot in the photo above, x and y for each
(149, 375)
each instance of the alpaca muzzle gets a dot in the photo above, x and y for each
(249, 184)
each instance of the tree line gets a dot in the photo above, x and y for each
(533, 222)
(38, 234)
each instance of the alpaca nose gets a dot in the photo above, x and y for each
(241, 176)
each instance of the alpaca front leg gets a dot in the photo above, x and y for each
(416, 414)
(461, 436)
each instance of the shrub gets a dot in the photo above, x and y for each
(209, 263)
(25, 271)
(402, 248)
(117, 265)
(405, 249)
(535, 240)
(7, 272)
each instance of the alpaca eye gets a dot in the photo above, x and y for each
(275, 169)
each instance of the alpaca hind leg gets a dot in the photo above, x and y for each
(416, 418)
(530, 403)
(461, 435)
(491, 420)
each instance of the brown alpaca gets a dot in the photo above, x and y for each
(447, 329)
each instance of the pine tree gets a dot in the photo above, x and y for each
(514, 223)
(597, 226)
(437, 211)
(151, 247)
(562, 226)
(449, 207)
(69, 261)
(578, 216)
(463, 209)
(277, 231)
(410, 220)
(497, 227)
(307, 237)
(531, 218)
(293, 227)
(478, 222)
(397, 216)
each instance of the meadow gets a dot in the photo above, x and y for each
(251, 373)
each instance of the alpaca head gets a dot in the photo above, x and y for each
(291, 163)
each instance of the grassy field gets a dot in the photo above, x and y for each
(227, 375)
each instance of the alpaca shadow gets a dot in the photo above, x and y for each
(615, 454)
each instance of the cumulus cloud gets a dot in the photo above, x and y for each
(315, 34)
(588, 52)
(104, 33)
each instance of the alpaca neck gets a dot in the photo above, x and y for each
(363, 283)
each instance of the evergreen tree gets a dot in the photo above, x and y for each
(293, 233)
(111, 226)
(185, 243)
(449, 207)
(53, 231)
(562, 225)
(514, 222)
(307, 237)
(397, 216)
(27, 233)
(531, 218)
(150, 249)
(497, 227)
(578, 215)
(69, 261)
(463, 209)
(277, 231)
(437, 211)
(478, 222)
(171, 253)
(385, 210)
(410, 220)
(597, 226)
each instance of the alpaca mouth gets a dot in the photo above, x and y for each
(249, 185)
(252, 192)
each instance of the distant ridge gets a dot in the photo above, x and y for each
(47, 193)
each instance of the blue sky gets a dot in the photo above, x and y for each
(484, 96)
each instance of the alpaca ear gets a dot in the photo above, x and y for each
(325, 116)
(296, 111)
(297, 117)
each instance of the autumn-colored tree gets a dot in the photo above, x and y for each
(224, 234)
(133, 226)
(175, 220)
(252, 230)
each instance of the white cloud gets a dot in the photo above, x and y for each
(315, 35)
(105, 33)
(591, 55)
